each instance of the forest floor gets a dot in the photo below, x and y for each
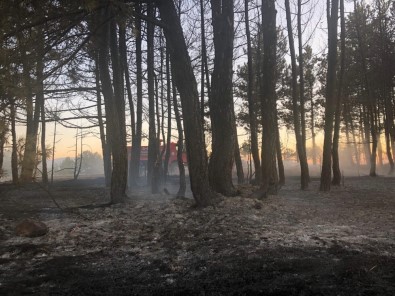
(295, 243)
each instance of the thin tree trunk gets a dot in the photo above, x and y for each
(296, 116)
(280, 163)
(136, 141)
(180, 145)
(43, 148)
(372, 102)
(388, 150)
(373, 132)
(41, 101)
(3, 135)
(238, 162)
(53, 145)
(364, 132)
(330, 100)
(354, 138)
(187, 87)
(313, 135)
(14, 155)
(169, 119)
(203, 57)
(104, 143)
(152, 139)
(301, 78)
(339, 102)
(125, 70)
(379, 150)
(251, 101)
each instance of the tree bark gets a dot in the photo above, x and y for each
(136, 141)
(330, 100)
(296, 116)
(115, 118)
(119, 155)
(269, 177)
(371, 104)
(152, 139)
(41, 101)
(14, 154)
(204, 66)
(339, 101)
(238, 162)
(280, 163)
(301, 78)
(221, 100)
(32, 121)
(3, 138)
(169, 119)
(251, 101)
(180, 145)
(187, 87)
(104, 143)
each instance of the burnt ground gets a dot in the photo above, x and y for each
(296, 243)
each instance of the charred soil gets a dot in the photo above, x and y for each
(295, 243)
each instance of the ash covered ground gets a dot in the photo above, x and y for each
(295, 243)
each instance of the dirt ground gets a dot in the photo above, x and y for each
(295, 243)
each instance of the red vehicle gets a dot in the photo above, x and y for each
(173, 166)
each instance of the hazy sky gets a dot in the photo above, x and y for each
(315, 35)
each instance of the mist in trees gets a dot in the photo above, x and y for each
(238, 85)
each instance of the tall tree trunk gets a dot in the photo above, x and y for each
(205, 76)
(365, 136)
(348, 140)
(388, 125)
(313, 135)
(114, 100)
(238, 162)
(77, 165)
(136, 141)
(41, 100)
(187, 87)
(14, 154)
(388, 149)
(339, 102)
(379, 150)
(169, 119)
(371, 105)
(119, 150)
(373, 133)
(269, 177)
(280, 163)
(125, 70)
(152, 139)
(221, 100)
(301, 77)
(330, 100)
(296, 116)
(54, 145)
(32, 121)
(251, 101)
(3, 138)
(354, 139)
(104, 143)
(180, 145)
